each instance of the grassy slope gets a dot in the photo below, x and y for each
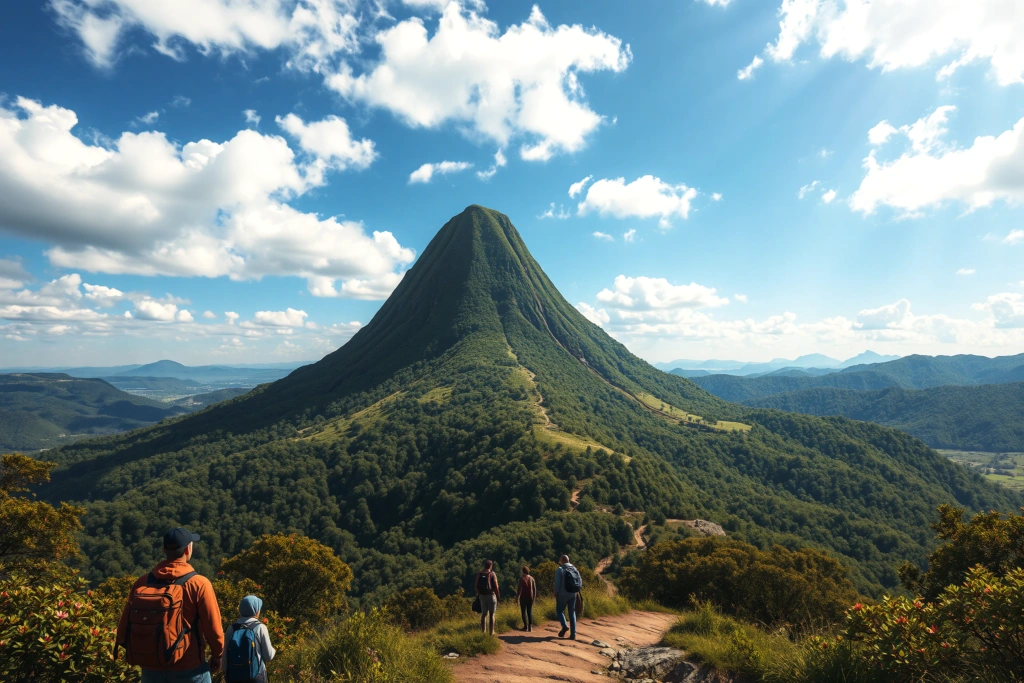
(986, 417)
(419, 489)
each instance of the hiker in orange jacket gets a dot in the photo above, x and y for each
(171, 618)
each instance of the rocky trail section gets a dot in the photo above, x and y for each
(542, 657)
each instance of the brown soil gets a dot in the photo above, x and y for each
(542, 657)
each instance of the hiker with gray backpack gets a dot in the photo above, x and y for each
(248, 645)
(568, 584)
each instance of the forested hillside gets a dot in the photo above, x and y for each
(741, 389)
(985, 418)
(460, 421)
(923, 372)
(44, 410)
(911, 372)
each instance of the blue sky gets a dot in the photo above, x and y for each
(222, 181)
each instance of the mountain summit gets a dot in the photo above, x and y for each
(478, 415)
(476, 286)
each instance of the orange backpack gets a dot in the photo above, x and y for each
(158, 636)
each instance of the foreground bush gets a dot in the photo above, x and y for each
(58, 631)
(973, 628)
(989, 539)
(366, 647)
(798, 588)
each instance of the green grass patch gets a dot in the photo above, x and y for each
(436, 395)
(652, 401)
(364, 647)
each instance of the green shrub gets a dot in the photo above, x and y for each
(976, 627)
(415, 609)
(798, 588)
(299, 577)
(989, 540)
(365, 648)
(58, 631)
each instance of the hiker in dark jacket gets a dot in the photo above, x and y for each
(249, 618)
(198, 628)
(526, 593)
(565, 598)
(488, 593)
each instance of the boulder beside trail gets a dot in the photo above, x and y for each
(663, 665)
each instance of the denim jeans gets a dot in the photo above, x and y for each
(200, 674)
(569, 602)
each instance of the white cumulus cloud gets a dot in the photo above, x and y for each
(313, 32)
(577, 187)
(747, 72)
(1014, 237)
(931, 172)
(286, 318)
(330, 141)
(645, 197)
(425, 173)
(906, 34)
(521, 83)
(145, 205)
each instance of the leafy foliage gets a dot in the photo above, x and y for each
(33, 534)
(972, 628)
(989, 540)
(58, 631)
(415, 609)
(299, 577)
(800, 588)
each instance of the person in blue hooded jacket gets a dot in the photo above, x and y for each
(249, 617)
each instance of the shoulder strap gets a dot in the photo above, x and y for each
(182, 580)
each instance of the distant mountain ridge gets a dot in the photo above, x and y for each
(688, 368)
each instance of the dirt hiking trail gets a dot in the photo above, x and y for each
(542, 657)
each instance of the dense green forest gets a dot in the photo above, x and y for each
(458, 424)
(44, 410)
(985, 418)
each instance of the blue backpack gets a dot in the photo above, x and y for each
(243, 656)
(572, 580)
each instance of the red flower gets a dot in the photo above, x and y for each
(858, 607)
(60, 615)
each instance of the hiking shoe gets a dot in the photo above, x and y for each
(561, 634)
(572, 637)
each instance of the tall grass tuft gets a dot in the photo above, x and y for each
(366, 647)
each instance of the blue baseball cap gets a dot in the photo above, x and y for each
(179, 538)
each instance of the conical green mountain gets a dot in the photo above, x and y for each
(463, 419)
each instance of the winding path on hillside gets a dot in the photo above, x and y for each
(542, 657)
